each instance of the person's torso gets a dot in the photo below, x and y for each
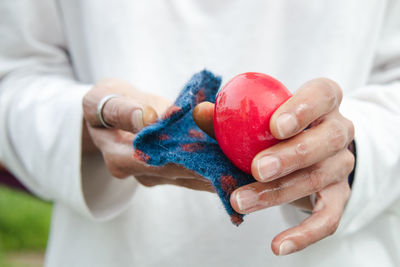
(157, 46)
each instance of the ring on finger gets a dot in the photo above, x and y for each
(100, 107)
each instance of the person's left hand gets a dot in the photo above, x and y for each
(126, 115)
(312, 158)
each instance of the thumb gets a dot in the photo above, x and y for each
(123, 113)
(203, 114)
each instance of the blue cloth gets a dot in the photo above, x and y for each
(177, 139)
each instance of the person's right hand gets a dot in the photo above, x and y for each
(308, 162)
(128, 114)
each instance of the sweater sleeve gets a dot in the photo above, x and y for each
(375, 112)
(41, 115)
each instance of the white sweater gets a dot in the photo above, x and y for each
(51, 52)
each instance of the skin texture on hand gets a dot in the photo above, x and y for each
(312, 158)
(128, 114)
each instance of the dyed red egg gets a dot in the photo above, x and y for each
(243, 109)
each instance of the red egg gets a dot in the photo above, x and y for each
(243, 109)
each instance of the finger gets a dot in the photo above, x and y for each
(305, 149)
(110, 139)
(313, 100)
(118, 154)
(116, 147)
(123, 113)
(150, 181)
(323, 222)
(172, 171)
(256, 196)
(203, 114)
(121, 164)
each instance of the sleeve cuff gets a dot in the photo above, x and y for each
(48, 158)
(96, 194)
(362, 184)
(104, 196)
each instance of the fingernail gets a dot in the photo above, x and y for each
(137, 119)
(287, 247)
(267, 167)
(246, 199)
(287, 124)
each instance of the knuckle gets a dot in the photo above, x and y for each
(85, 100)
(331, 223)
(350, 127)
(333, 226)
(117, 173)
(330, 98)
(145, 181)
(302, 152)
(316, 179)
(349, 162)
(337, 137)
(332, 90)
(301, 149)
(308, 234)
(347, 190)
(113, 167)
(277, 184)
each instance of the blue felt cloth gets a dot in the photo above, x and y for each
(177, 139)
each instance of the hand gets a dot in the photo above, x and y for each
(313, 158)
(127, 115)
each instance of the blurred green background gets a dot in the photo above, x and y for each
(24, 228)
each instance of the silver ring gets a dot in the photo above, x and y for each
(100, 106)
